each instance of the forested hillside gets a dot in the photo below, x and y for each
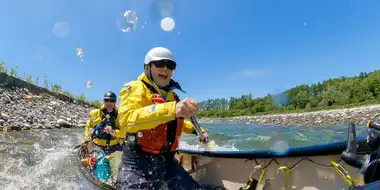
(339, 92)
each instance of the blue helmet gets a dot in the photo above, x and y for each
(110, 96)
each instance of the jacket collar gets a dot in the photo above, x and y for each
(102, 107)
(172, 84)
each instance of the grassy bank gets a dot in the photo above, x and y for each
(55, 88)
(246, 112)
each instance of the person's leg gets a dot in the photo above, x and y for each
(131, 179)
(109, 150)
(136, 172)
(178, 178)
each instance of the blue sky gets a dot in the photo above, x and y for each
(222, 48)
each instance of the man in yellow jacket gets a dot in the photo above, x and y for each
(103, 128)
(153, 118)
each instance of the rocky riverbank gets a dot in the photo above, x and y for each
(24, 106)
(358, 115)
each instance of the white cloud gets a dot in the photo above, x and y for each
(252, 72)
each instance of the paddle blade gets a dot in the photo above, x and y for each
(350, 155)
(351, 139)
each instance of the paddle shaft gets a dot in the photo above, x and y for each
(197, 127)
(92, 138)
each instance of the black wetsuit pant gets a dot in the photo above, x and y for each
(142, 170)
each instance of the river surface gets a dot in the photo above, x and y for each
(45, 159)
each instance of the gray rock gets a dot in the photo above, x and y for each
(23, 109)
(62, 122)
(5, 116)
(15, 127)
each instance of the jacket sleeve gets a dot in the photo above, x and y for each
(118, 132)
(89, 125)
(133, 116)
(189, 128)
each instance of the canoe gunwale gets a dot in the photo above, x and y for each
(316, 150)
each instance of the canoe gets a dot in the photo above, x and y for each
(303, 168)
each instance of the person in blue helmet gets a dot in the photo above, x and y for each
(102, 127)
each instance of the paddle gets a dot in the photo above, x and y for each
(79, 145)
(211, 144)
(92, 138)
(197, 127)
(107, 119)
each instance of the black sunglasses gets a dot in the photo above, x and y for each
(171, 65)
(108, 100)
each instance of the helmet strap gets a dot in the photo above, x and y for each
(148, 73)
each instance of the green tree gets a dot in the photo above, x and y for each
(56, 88)
(37, 82)
(46, 84)
(2, 67)
(29, 79)
(330, 93)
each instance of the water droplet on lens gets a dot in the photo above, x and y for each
(61, 29)
(280, 146)
(167, 24)
(89, 84)
(79, 52)
(129, 22)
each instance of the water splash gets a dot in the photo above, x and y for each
(187, 146)
(43, 165)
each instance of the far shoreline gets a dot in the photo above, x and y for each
(357, 115)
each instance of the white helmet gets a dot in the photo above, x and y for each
(158, 53)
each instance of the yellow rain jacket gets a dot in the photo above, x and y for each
(94, 120)
(136, 110)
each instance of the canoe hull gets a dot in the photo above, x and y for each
(304, 168)
(311, 167)
(82, 154)
(306, 173)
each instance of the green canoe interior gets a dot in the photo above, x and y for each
(305, 168)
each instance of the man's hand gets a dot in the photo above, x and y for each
(108, 130)
(186, 108)
(205, 141)
(84, 140)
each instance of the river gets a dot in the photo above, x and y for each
(45, 159)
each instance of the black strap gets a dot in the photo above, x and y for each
(153, 90)
(171, 129)
(150, 87)
(170, 136)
